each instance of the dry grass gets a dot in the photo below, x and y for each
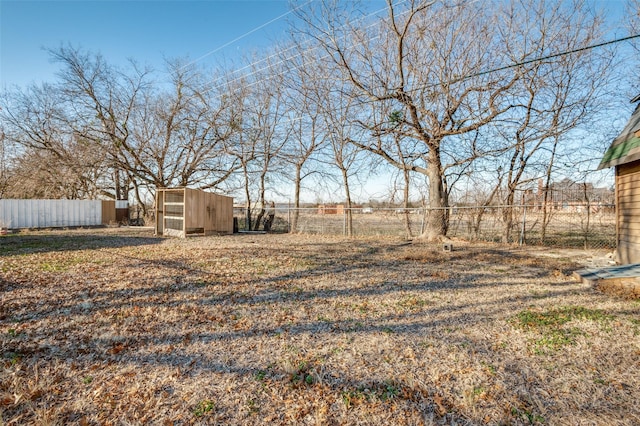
(101, 327)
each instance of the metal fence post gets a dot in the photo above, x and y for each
(524, 225)
(344, 222)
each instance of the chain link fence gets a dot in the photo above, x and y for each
(588, 227)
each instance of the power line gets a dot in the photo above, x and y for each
(515, 65)
(248, 74)
(215, 86)
(452, 81)
(245, 34)
(539, 59)
(280, 52)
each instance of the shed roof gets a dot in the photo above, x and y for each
(626, 147)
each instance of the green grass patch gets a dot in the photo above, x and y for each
(11, 358)
(372, 392)
(527, 415)
(204, 407)
(64, 263)
(302, 375)
(260, 375)
(530, 320)
(413, 303)
(553, 327)
(28, 244)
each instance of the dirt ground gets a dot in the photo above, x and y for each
(114, 326)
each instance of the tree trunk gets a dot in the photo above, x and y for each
(436, 224)
(296, 202)
(258, 222)
(136, 191)
(587, 225)
(546, 215)
(507, 216)
(348, 213)
(407, 219)
(247, 194)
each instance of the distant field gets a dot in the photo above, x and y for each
(114, 326)
(565, 229)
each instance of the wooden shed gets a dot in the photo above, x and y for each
(624, 155)
(182, 212)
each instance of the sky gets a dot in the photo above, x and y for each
(148, 31)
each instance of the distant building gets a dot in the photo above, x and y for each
(570, 196)
(331, 209)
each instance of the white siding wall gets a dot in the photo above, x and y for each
(50, 213)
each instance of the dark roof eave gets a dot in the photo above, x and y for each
(618, 161)
(624, 148)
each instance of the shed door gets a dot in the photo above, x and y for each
(159, 212)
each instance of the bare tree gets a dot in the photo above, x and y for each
(307, 138)
(405, 170)
(243, 145)
(309, 133)
(419, 67)
(259, 116)
(50, 159)
(178, 135)
(266, 124)
(554, 96)
(101, 102)
(338, 111)
(633, 21)
(150, 136)
(273, 133)
(4, 164)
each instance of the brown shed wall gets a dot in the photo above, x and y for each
(628, 212)
(108, 212)
(122, 215)
(203, 213)
(223, 213)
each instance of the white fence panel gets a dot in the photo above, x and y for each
(50, 213)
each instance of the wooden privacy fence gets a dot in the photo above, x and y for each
(15, 214)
